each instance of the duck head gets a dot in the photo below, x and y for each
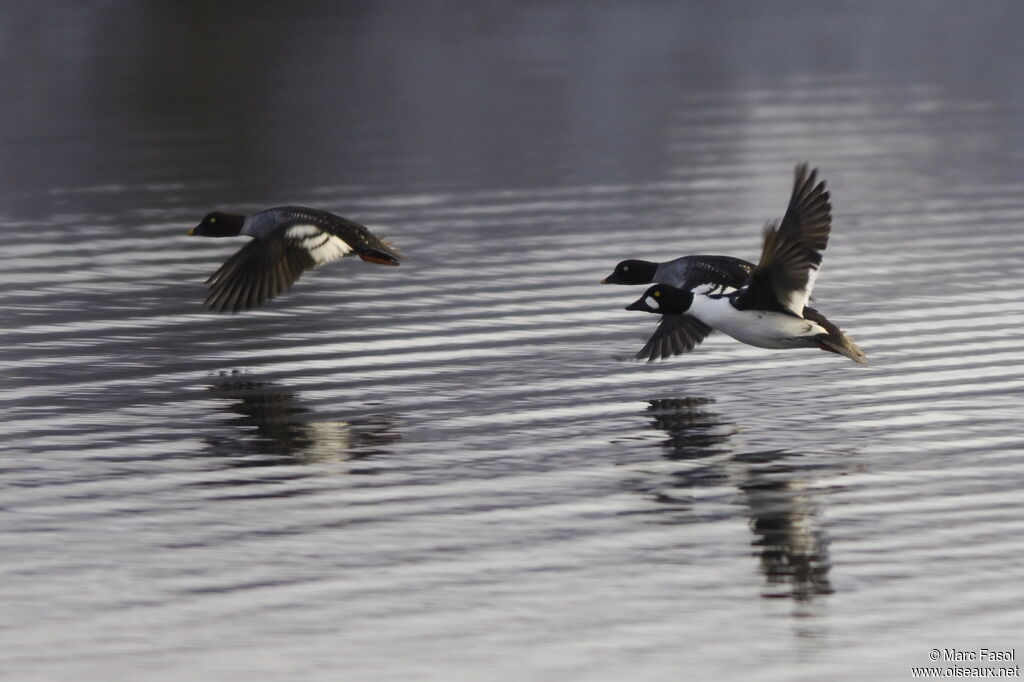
(663, 300)
(218, 224)
(632, 272)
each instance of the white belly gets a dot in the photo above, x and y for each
(755, 327)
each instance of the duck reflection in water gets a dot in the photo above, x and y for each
(288, 433)
(693, 430)
(777, 494)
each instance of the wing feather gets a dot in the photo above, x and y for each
(791, 252)
(675, 335)
(258, 271)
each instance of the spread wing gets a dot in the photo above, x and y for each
(675, 335)
(258, 271)
(791, 254)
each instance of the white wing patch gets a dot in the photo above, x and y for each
(712, 289)
(322, 246)
(303, 231)
(797, 299)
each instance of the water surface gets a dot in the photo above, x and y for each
(447, 470)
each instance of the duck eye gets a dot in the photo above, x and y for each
(657, 293)
(213, 220)
(625, 268)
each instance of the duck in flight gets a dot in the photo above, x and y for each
(287, 241)
(770, 310)
(708, 275)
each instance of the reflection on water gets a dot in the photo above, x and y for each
(288, 432)
(693, 431)
(789, 540)
(784, 515)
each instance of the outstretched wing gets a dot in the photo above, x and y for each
(258, 271)
(675, 335)
(791, 254)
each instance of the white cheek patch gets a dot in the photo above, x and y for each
(651, 303)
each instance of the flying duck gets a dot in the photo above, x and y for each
(770, 311)
(706, 275)
(287, 241)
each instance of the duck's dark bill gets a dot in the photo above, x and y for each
(637, 305)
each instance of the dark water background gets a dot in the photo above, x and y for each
(443, 471)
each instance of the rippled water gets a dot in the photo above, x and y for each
(447, 470)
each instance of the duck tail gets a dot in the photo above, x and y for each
(841, 344)
(835, 340)
(382, 251)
